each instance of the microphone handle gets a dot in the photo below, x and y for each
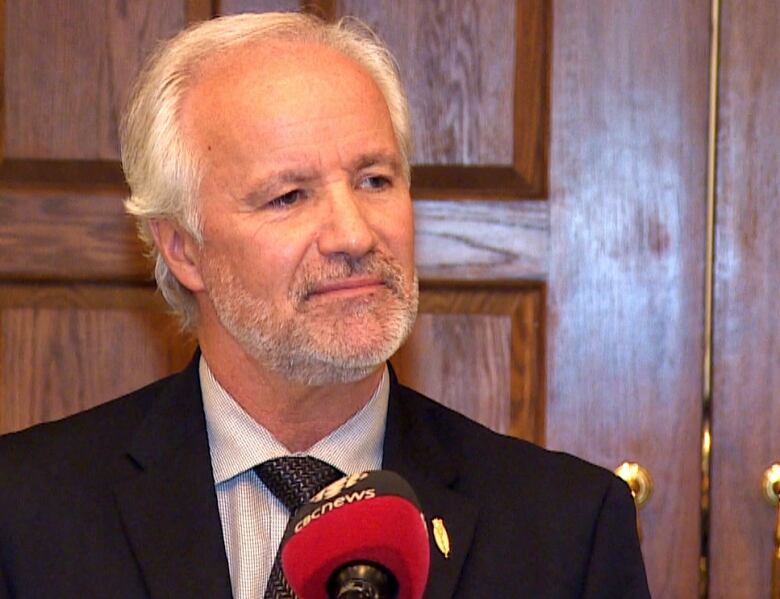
(359, 594)
(363, 581)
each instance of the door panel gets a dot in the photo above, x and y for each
(470, 69)
(64, 349)
(53, 46)
(746, 335)
(626, 271)
(480, 351)
(68, 234)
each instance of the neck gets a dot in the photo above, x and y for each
(296, 415)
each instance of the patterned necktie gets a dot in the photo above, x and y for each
(293, 480)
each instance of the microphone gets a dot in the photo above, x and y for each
(362, 537)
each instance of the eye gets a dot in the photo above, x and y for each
(375, 182)
(288, 199)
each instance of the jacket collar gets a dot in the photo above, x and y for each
(169, 509)
(415, 449)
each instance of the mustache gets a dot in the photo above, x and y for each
(375, 264)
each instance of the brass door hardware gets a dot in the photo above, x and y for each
(641, 484)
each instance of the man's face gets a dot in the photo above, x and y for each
(308, 252)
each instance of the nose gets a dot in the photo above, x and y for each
(345, 229)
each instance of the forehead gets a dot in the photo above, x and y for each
(276, 86)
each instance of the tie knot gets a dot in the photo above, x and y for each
(294, 479)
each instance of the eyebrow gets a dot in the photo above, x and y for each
(377, 159)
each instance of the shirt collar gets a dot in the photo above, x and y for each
(237, 442)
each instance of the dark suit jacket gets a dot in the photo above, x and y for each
(119, 501)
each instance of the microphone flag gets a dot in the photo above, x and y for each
(369, 518)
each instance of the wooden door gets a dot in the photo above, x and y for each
(746, 333)
(560, 194)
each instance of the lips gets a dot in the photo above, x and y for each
(344, 277)
(347, 287)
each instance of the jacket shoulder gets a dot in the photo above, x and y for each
(488, 457)
(81, 441)
(574, 518)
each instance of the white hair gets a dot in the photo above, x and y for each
(164, 173)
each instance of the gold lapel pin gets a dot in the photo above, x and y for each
(441, 537)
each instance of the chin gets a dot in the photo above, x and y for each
(335, 356)
(314, 375)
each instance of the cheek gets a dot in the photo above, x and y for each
(400, 236)
(270, 265)
(249, 261)
(266, 268)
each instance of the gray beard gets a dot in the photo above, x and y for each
(305, 348)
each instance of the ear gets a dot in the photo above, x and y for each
(180, 251)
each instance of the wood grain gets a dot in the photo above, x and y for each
(471, 240)
(68, 67)
(469, 182)
(59, 236)
(93, 296)
(479, 352)
(198, 10)
(63, 174)
(56, 362)
(229, 7)
(463, 361)
(625, 284)
(746, 335)
(533, 48)
(456, 58)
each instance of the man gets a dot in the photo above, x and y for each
(268, 160)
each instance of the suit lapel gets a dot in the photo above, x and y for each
(169, 509)
(413, 449)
